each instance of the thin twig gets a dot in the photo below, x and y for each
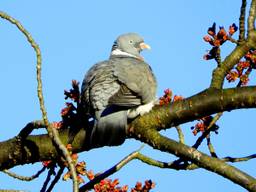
(191, 166)
(210, 147)
(218, 57)
(242, 21)
(24, 178)
(180, 134)
(56, 179)
(53, 133)
(232, 40)
(207, 131)
(239, 159)
(170, 165)
(48, 178)
(110, 171)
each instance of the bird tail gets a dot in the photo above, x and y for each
(109, 130)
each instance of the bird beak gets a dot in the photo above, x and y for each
(144, 46)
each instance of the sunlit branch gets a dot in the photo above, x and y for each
(242, 21)
(164, 144)
(180, 134)
(210, 147)
(110, 171)
(239, 159)
(251, 17)
(27, 130)
(227, 64)
(53, 133)
(186, 166)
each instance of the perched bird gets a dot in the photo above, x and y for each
(118, 89)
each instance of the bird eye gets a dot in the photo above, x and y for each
(131, 41)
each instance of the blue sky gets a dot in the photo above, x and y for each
(74, 36)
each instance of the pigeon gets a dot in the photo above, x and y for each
(118, 90)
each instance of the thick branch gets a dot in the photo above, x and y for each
(251, 25)
(251, 17)
(242, 21)
(208, 102)
(38, 148)
(157, 141)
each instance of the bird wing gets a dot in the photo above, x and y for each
(98, 86)
(125, 97)
(138, 84)
(124, 82)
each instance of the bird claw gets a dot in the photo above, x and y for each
(141, 110)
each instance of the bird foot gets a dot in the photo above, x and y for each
(141, 110)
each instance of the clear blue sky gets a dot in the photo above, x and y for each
(74, 36)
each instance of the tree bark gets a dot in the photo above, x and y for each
(37, 148)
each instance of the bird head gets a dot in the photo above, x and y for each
(129, 44)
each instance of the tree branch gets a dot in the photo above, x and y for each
(191, 166)
(241, 49)
(205, 103)
(180, 134)
(157, 141)
(210, 147)
(53, 133)
(229, 62)
(207, 131)
(239, 159)
(56, 179)
(251, 17)
(51, 172)
(39, 147)
(110, 171)
(24, 178)
(242, 21)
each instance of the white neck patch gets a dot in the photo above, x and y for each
(122, 53)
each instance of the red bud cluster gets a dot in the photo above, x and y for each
(80, 166)
(57, 125)
(68, 110)
(73, 93)
(47, 164)
(177, 98)
(148, 185)
(243, 69)
(167, 98)
(203, 125)
(217, 39)
(107, 185)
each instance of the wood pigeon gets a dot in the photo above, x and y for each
(117, 90)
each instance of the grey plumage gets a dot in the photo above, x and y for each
(112, 90)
